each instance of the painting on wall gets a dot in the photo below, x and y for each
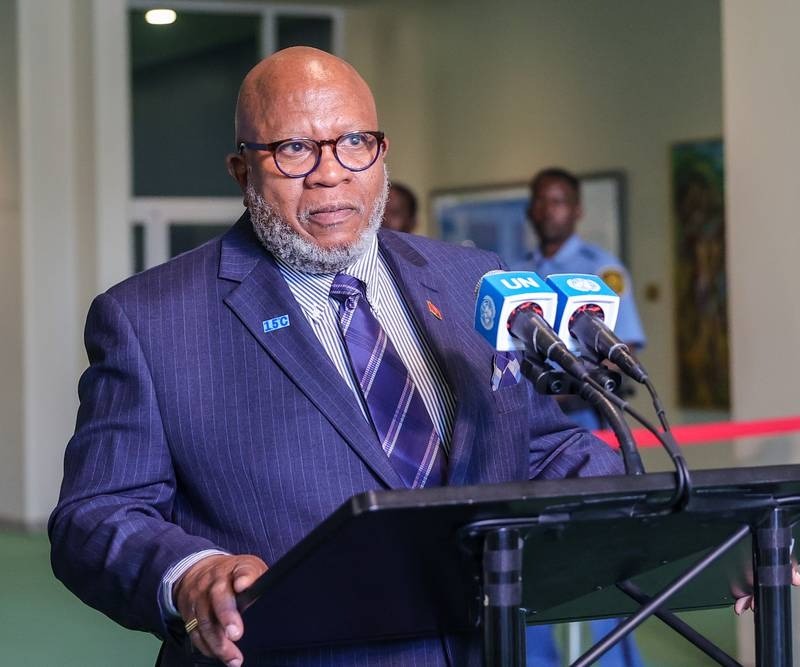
(701, 313)
(495, 217)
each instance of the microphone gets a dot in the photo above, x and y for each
(581, 292)
(585, 304)
(514, 310)
(498, 293)
(526, 325)
(587, 313)
(597, 337)
(511, 313)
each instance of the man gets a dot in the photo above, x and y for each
(401, 209)
(224, 413)
(554, 213)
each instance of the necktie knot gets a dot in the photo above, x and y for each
(347, 290)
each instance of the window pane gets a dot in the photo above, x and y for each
(185, 78)
(316, 31)
(183, 237)
(138, 240)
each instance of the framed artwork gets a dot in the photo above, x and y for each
(701, 312)
(494, 217)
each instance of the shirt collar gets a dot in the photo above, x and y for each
(312, 290)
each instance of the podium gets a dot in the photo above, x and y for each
(476, 559)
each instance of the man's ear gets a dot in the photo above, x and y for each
(237, 168)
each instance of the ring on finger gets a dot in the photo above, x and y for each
(191, 625)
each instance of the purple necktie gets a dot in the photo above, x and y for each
(393, 401)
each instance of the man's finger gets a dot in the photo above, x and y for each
(741, 604)
(245, 574)
(223, 604)
(220, 647)
(200, 643)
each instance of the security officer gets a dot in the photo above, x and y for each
(554, 212)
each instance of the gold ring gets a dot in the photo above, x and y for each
(191, 626)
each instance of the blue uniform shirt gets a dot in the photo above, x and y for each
(578, 256)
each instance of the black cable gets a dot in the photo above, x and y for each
(659, 408)
(627, 444)
(683, 487)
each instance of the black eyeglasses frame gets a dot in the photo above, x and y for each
(272, 145)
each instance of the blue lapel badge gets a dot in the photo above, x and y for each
(275, 323)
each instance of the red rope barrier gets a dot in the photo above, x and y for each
(701, 434)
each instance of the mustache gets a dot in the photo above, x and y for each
(330, 207)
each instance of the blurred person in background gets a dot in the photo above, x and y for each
(401, 209)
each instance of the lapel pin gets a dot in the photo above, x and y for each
(275, 323)
(434, 310)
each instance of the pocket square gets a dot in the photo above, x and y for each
(505, 372)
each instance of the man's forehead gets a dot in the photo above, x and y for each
(322, 109)
(548, 182)
(326, 94)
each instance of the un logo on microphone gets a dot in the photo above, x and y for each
(488, 311)
(584, 284)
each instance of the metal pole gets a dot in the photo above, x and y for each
(659, 599)
(684, 629)
(773, 577)
(503, 626)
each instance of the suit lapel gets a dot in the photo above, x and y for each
(262, 294)
(453, 343)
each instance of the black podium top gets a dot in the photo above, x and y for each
(393, 564)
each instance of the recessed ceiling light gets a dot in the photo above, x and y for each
(160, 16)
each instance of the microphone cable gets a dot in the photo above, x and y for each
(683, 487)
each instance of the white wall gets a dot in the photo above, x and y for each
(762, 98)
(476, 92)
(11, 379)
(48, 217)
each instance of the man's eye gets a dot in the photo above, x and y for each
(354, 140)
(293, 149)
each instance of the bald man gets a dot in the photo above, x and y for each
(226, 410)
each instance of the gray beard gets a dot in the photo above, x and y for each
(281, 240)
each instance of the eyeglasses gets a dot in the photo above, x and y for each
(298, 157)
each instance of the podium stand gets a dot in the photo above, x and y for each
(470, 559)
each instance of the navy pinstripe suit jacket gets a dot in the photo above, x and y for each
(197, 429)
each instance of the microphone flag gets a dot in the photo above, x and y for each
(499, 293)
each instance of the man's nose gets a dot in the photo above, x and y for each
(329, 171)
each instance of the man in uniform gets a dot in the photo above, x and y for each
(554, 213)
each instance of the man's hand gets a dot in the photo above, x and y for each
(207, 591)
(748, 601)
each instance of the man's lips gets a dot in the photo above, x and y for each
(331, 214)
